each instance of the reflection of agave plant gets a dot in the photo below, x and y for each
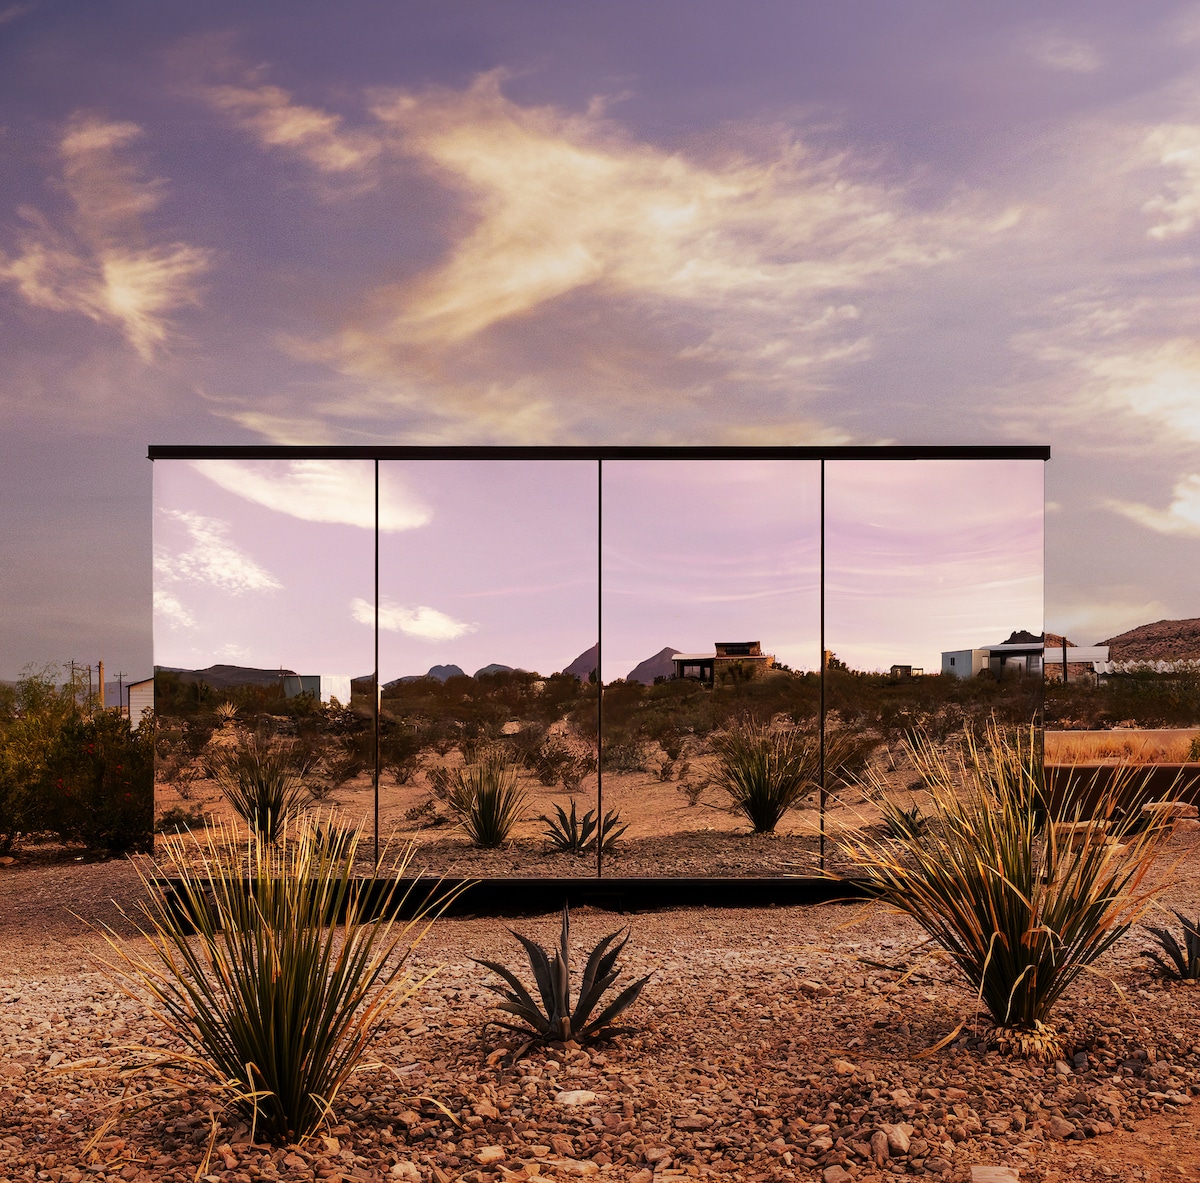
(226, 712)
(555, 1019)
(573, 835)
(1185, 957)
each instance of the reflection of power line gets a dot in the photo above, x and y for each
(120, 690)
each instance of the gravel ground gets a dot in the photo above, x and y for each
(776, 1044)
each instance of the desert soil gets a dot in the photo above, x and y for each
(788, 1043)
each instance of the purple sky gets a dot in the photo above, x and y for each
(270, 563)
(685, 222)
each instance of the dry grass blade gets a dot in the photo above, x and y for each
(1022, 892)
(269, 968)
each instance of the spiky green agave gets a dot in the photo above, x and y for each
(555, 1019)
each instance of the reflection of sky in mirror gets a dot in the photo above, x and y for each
(925, 556)
(270, 563)
(504, 572)
(699, 552)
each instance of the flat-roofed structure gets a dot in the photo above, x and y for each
(729, 659)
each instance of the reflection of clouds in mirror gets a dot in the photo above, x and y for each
(422, 621)
(211, 558)
(336, 491)
(928, 556)
(170, 611)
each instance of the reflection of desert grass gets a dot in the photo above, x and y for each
(1077, 747)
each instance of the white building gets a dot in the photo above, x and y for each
(141, 699)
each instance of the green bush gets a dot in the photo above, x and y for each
(99, 783)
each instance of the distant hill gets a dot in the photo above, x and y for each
(494, 668)
(222, 677)
(658, 666)
(1164, 640)
(584, 664)
(440, 673)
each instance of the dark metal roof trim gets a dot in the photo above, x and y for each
(600, 452)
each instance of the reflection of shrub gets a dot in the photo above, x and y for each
(262, 783)
(693, 790)
(281, 989)
(766, 773)
(487, 799)
(1193, 756)
(1020, 909)
(551, 759)
(1185, 958)
(178, 820)
(627, 754)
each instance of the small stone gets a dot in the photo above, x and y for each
(562, 1145)
(642, 1176)
(938, 1166)
(879, 1147)
(575, 1097)
(407, 1171)
(574, 1166)
(696, 1122)
(836, 1174)
(656, 1154)
(813, 987)
(486, 1111)
(1059, 1127)
(1062, 1068)
(991, 1174)
(899, 1136)
(489, 1155)
(295, 1162)
(843, 1067)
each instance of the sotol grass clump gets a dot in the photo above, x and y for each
(1020, 904)
(269, 969)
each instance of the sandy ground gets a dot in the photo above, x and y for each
(770, 1045)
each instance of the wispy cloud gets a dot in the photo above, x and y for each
(211, 559)
(99, 261)
(275, 120)
(168, 608)
(1176, 148)
(321, 491)
(1182, 516)
(592, 277)
(1069, 54)
(422, 622)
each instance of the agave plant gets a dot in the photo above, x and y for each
(903, 823)
(1021, 910)
(1185, 958)
(570, 834)
(487, 799)
(275, 991)
(555, 1019)
(263, 783)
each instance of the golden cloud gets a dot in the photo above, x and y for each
(100, 263)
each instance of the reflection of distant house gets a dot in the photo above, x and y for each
(1020, 654)
(906, 673)
(729, 659)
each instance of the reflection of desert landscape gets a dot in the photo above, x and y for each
(663, 782)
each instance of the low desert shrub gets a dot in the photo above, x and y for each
(555, 1019)
(766, 773)
(487, 799)
(99, 783)
(1184, 959)
(262, 783)
(274, 992)
(1022, 904)
(178, 820)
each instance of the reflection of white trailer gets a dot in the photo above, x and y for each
(1076, 654)
(322, 687)
(965, 663)
(141, 699)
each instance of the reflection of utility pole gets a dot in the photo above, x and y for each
(121, 691)
(100, 680)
